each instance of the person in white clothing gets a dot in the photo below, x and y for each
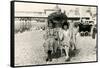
(66, 40)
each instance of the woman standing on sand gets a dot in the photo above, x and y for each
(74, 29)
(66, 40)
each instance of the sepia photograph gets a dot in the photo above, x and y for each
(54, 33)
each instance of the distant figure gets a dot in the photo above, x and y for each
(94, 31)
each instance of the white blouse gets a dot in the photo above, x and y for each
(66, 34)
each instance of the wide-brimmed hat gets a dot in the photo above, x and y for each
(57, 18)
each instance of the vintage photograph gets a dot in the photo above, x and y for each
(52, 33)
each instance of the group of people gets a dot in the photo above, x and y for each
(59, 41)
(60, 37)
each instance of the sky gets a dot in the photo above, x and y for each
(39, 7)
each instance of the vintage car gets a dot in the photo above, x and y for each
(85, 28)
